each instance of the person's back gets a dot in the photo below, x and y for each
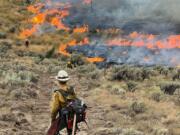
(60, 99)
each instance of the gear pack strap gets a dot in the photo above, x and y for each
(65, 94)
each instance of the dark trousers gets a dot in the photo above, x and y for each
(62, 125)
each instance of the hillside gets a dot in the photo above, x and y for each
(122, 99)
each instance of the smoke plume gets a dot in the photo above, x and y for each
(151, 16)
(151, 29)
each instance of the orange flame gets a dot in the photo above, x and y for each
(35, 8)
(28, 32)
(39, 18)
(55, 18)
(57, 22)
(81, 29)
(52, 16)
(95, 59)
(149, 41)
(63, 51)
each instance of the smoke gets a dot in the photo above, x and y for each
(130, 55)
(148, 16)
(159, 17)
(151, 16)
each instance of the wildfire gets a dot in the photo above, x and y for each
(55, 18)
(81, 29)
(57, 22)
(63, 47)
(95, 59)
(148, 41)
(41, 16)
(35, 8)
(28, 32)
(54, 13)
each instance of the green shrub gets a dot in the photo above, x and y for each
(130, 73)
(50, 53)
(77, 60)
(28, 76)
(156, 96)
(132, 132)
(118, 91)
(137, 107)
(94, 75)
(169, 87)
(131, 86)
(4, 47)
(2, 35)
(176, 76)
(20, 78)
(86, 68)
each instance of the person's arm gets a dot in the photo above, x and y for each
(55, 104)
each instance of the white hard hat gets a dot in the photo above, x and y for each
(62, 76)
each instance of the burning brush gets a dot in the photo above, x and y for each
(128, 47)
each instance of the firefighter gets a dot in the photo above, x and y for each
(70, 65)
(27, 43)
(60, 99)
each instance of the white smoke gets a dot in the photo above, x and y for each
(144, 15)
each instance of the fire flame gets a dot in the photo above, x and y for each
(41, 16)
(95, 59)
(63, 47)
(57, 22)
(28, 32)
(35, 8)
(55, 17)
(81, 29)
(148, 41)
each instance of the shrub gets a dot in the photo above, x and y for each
(77, 60)
(20, 78)
(28, 76)
(177, 97)
(156, 96)
(86, 68)
(118, 91)
(131, 86)
(132, 132)
(50, 53)
(2, 35)
(176, 76)
(4, 47)
(170, 87)
(130, 73)
(161, 70)
(94, 75)
(161, 131)
(137, 107)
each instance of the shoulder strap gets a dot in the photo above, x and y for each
(62, 92)
(65, 94)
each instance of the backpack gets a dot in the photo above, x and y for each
(73, 106)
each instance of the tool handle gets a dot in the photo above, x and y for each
(74, 124)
